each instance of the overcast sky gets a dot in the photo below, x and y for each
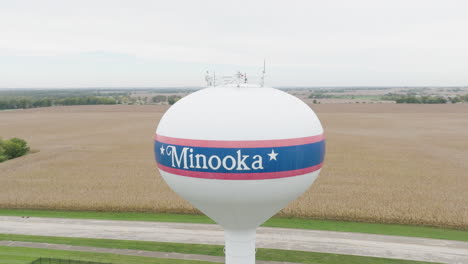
(172, 43)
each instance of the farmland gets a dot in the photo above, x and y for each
(387, 163)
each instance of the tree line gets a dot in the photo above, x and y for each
(171, 99)
(424, 99)
(28, 102)
(12, 148)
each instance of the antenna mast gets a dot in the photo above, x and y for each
(208, 79)
(263, 74)
(237, 79)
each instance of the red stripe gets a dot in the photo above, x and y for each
(239, 143)
(239, 176)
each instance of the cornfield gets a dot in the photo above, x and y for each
(384, 163)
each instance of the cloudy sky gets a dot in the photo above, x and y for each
(102, 43)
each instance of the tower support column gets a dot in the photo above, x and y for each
(240, 246)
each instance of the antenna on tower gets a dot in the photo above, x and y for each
(263, 74)
(208, 78)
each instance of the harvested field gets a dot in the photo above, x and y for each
(385, 163)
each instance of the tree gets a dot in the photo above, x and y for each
(455, 100)
(173, 99)
(465, 97)
(14, 148)
(3, 156)
(159, 99)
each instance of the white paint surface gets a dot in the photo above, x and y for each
(239, 113)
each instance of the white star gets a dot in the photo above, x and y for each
(273, 155)
(162, 150)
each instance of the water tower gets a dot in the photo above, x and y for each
(239, 153)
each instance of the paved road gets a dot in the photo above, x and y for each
(435, 250)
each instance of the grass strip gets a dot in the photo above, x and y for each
(212, 250)
(327, 225)
(21, 255)
(126, 216)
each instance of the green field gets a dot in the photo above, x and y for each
(17, 255)
(342, 226)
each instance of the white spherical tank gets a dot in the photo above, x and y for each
(239, 154)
